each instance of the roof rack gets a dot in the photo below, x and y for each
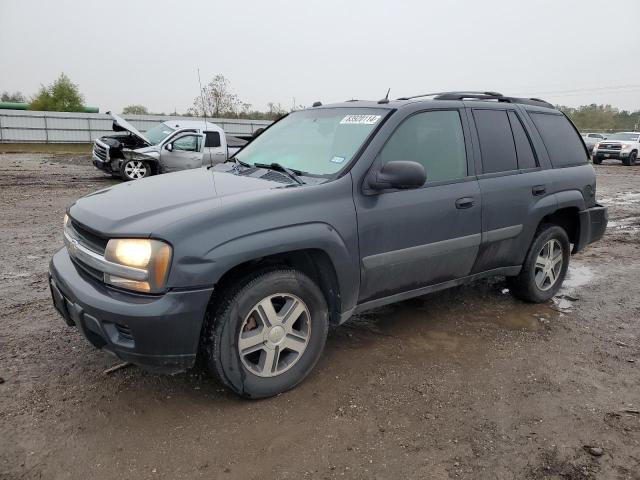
(474, 95)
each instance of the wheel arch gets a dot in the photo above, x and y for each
(562, 209)
(568, 218)
(313, 262)
(316, 249)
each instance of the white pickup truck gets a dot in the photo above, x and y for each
(620, 146)
(168, 147)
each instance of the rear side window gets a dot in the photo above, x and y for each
(212, 139)
(433, 139)
(526, 157)
(496, 141)
(564, 145)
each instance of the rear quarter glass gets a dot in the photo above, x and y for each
(563, 143)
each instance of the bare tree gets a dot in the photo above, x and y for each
(219, 101)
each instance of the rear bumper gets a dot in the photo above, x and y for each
(159, 333)
(593, 223)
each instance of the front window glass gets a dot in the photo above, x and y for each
(624, 137)
(316, 141)
(158, 133)
(189, 143)
(433, 139)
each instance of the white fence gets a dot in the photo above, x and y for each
(20, 126)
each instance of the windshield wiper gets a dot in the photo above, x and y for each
(291, 173)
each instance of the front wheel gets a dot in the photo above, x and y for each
(266, 334)
(631, 159)
(597, 161)
(134, 170)
(545, 266)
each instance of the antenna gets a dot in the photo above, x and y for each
(386, 98)
(204, 114)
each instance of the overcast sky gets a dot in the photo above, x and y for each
(148, 51)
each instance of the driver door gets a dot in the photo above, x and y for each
(182, 152)
(419, 237)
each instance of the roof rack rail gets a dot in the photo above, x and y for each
(473, 95)
(466, 93)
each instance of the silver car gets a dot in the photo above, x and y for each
(168, 147)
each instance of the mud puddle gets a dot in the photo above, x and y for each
(578, 277)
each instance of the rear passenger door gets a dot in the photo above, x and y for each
(511, 183)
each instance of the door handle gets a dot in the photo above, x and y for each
(538, 190)
(465, 202)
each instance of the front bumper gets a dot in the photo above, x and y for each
(100, 165)
(593, 223)
(615, 154)
(159, 333)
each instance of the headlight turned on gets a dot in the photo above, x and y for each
(145, 255)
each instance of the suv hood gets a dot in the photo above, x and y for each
(143, 207)
(120, 122)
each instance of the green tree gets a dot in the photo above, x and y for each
(60, 96)
(15, 97)
(135, 110)
(603, 118)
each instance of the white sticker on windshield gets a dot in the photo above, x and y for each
(360, 119)
(337, 159)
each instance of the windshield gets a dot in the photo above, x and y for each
(625, 137)
(158, 133)
(316, 141)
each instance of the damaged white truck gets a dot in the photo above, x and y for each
(168, 147)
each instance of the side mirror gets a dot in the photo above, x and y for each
(257, 132)
(399, 174)
(169, 147)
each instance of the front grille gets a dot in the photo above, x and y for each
(611, 146)
(97, 274)
(88, 239)
(100, 152)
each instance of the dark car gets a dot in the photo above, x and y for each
(331, 211)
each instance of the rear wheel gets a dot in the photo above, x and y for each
(134, 170)
(266, 334)
(544, 267)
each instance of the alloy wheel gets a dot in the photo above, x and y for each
(548, 265)
(135, 169)
(274, 335)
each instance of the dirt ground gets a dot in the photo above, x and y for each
(467, 383)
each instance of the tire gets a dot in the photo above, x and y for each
(135, 170)
(631, 159)
(597, 161)
(267, 365)
(527, 285)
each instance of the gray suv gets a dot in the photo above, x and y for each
(331, 211)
